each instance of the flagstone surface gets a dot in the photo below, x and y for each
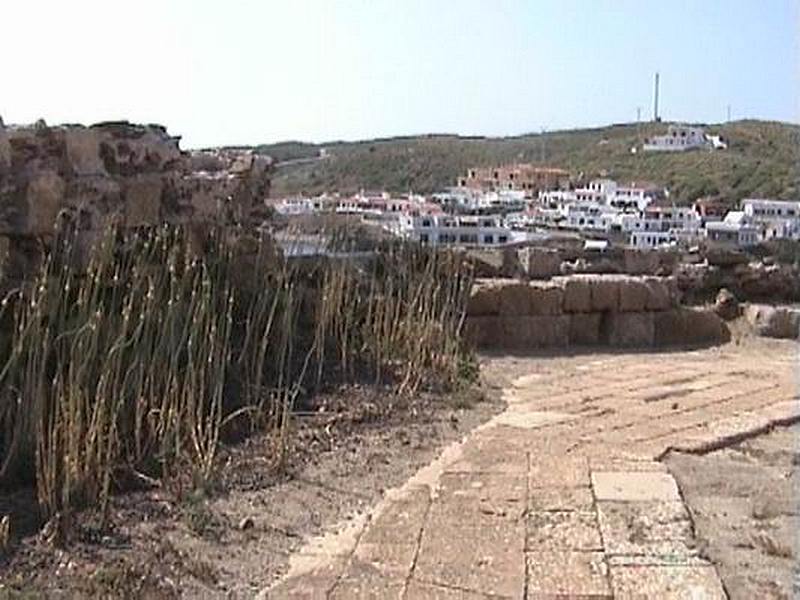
(562, 495)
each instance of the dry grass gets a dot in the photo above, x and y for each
(143, 361)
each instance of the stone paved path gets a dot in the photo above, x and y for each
(561, 495)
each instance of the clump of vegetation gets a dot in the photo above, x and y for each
(144, 361)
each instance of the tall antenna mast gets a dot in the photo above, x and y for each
(638, 124)
(541, 146)
(729, 113)
(655, 101)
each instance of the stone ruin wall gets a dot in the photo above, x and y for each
(86, 178)
(586, 310)
(699, 277)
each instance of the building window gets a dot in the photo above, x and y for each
(423, 238)
(502, 239)
(488, 239)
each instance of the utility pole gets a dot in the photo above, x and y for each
(729, 113)
(542, 153)
(638, 124)
(655, 101)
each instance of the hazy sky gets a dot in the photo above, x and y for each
(238, 71)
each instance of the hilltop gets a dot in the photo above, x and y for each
(761, 160)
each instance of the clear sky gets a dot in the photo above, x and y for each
(245, 72)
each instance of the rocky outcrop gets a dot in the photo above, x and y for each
(752, 282)
(773, 321)
(581, 310)
(86, 178)
(726, 305)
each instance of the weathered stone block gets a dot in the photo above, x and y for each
(546, 298)
(514, 299)
(83, 151)
(584, 329)
(775, 322)
(659, 296)
(689, 326)
(605, 293)
(577, 294)
(482, 331)
(543, 331)
(142, 194)
(633, 295)
(628, 329)
(543, 263)
(44, 197)
(5, 149)
(484, 298)
(638, 262)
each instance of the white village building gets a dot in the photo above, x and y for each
(735, 230)
(452, 230)
(773, 218)
(677, 139)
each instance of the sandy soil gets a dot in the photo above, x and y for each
(234, 539)
(744, 503)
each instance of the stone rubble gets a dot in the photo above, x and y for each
(773, 321)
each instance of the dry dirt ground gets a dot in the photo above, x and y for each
(744, 503)
(566, 493)
(604, 474)
(233, 540)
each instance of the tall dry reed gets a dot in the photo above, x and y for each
(139, 361)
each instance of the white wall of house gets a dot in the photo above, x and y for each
(773, 218)
(724, 234)
(650, 239)
(460, 231)
(677, 139)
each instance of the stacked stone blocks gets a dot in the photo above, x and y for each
(585, 310)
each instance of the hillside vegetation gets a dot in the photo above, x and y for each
(761, 160)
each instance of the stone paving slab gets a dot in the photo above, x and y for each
(484, 486)
(562, 495)
(364, 583)
(567, 530)
(658, 529)
(560, 499)
(387, 560)
(402, 520)
(418, 590)
(567, 575)
(483, 560)
(667, 583)
(312, 584)
(558, 471)
(635, 486)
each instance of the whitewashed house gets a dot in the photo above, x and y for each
(657, 226)
(590, 216)
(773, 218)
(452, 230)
(677, 139)
(649, 240)
(735, 230)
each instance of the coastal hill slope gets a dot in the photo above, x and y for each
(762, 160)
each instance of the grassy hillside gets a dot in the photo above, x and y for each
(762, 160)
